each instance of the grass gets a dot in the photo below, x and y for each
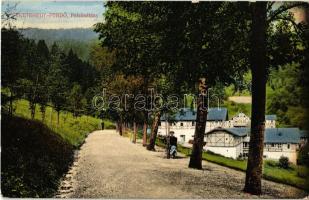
(231, 163)
(71, 129)
(297, 176)
(235, 108)
(37, 153)
(34, 158)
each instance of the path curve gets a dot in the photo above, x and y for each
(110, 166)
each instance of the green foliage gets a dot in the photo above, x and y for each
(234, 164)
(303, 155)
(285, 97)
(71, 129)
(234, 108)
(41, 75)
(77, 101)
(284, 162)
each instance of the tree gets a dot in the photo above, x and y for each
(196, 155)
(206, 45)
(76, 100)
(11, 62)
(43, 63)
(152, 38)
(133, 39)
(258, 62)
(258, 67)
(57, 82)
(31, 74)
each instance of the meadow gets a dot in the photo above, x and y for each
(37, 153)
(74, 130)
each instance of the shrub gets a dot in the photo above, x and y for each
(284, 162)
(271, 163)
(303, 155)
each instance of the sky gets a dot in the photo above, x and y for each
(53, 14)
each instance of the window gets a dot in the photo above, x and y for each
(288, 146)
(193, 123)
(183, 138)
(181, 124)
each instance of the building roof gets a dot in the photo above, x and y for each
(217, 114)
(272, 135)
(282, 135)
(304, 134)
(187, 114)
(234, 131)
(270, 117)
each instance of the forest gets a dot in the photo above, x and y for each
(254, 48)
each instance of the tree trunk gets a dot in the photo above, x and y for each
(58, 113)
(11, 104)
(124, 127)
(43, 115)
(134, 132)
(32, 110)
(51, 117)
(120, 127)
(258, 65)
(154, 131)
(201, 118)
(145, 130)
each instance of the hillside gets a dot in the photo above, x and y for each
(33, 158)
(50, 35)
(79, 39)
(36, 154)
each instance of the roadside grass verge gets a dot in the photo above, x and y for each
(36, 153)
(297, 176)
(74, 130)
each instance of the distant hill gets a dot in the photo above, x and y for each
(50, 35)
(79, 39)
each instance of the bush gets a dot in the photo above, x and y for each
(271, 163)
(284, 162)
(303, 155)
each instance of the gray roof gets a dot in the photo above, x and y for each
(187, 114)
(282, 135)
(235, 131)
(304, 134)
(272, 135)
(217, 114)
(270, 117)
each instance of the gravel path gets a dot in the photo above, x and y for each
(110, 166)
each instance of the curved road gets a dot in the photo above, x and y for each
(110, 166)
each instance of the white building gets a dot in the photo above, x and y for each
(234, 142)
(183, 123)
(242, 120)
